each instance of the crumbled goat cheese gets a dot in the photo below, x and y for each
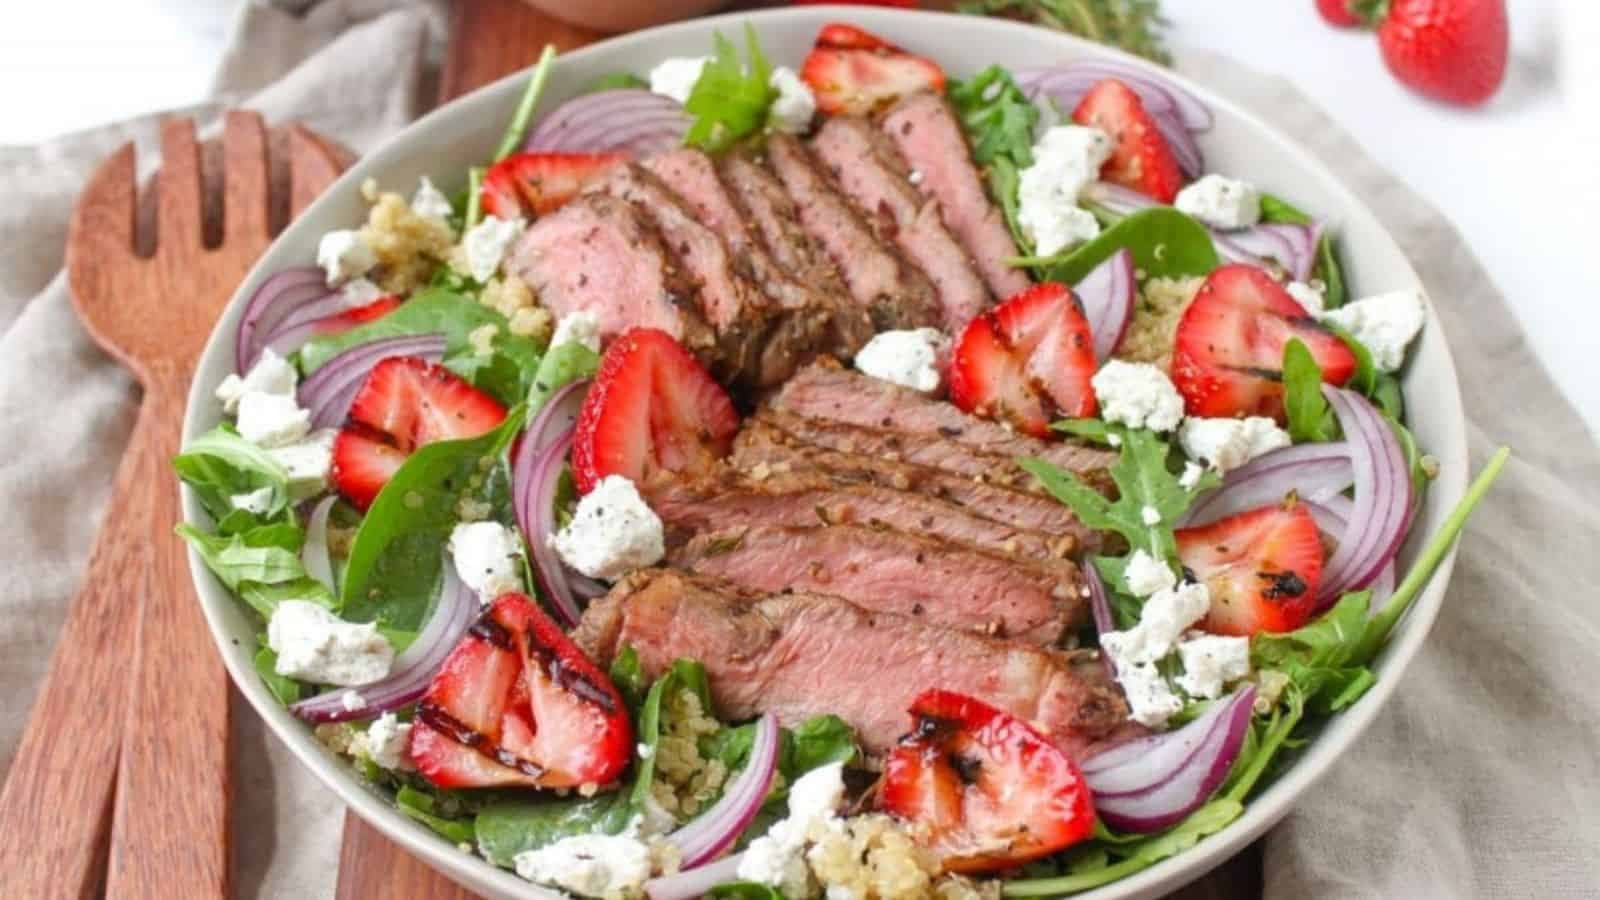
(675, 77)
(488, 557)
(271, 420)
(1307, 296)
(1138, 395)
(1227, 444)
(485, 245)
(795, 105)
(352, 701)
(1150, 515)
(1145, 575)
(1385, 323)
(578, 327)
(1192, 472)
(612, 533)
(430, 202)
(1221, 202)
(385, 743)
(1163, 620)
(1066, 158)
(911, 358)
(1211, 661)
(590, 865)
(777, 858)
(1151, 701)
(315, 645)
(343, 255)
(308, 461)
(256, 502)
(271, 374)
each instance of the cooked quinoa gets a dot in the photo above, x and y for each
(685, 781)
(511, 297)
(872, 857)
(408, 246)
(1155, 320)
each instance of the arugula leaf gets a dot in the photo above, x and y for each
(1096, 430)
(508, 827)
(286, 690)
(420, 807)
(1141, 854)
(997, 116)
(219, 465)
(1311, 419)
(517, 128)
(745, 890)
(1005, 180)
(730, 99)
(261, 565)
(1163, 241)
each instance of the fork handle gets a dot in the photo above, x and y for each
(170, 835)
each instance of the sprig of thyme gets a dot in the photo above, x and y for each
(1133, 25)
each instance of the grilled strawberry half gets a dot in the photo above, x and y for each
(652, 407)
(1227, 356)
(1262, 566)
(983, 789)
(1027, 361)
(532, 184)
(1140, 159)
(517, 703)
(405, 402)
(360, 315)
(854, 72)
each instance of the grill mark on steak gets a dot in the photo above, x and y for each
(866, 165)
(798, 655)
(891, 571)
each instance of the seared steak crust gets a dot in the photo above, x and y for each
(891, 571)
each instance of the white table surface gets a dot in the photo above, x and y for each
(1517, 176)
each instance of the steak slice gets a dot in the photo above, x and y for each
(799, 655)
(688, 504)
(762, 446)
(826, 390)
(895, 294)
(895, 572)
(925, 130)
(864, 163)
(598, 254)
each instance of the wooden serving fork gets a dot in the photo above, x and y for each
(127, 744)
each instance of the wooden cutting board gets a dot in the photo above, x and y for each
(490, 39)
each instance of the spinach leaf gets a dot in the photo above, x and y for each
(628, 676)
(420, 807)
(261, 565)
(745, 890)
(219, 465)
(1163, 241)
(562, 364)
(815, 742)
(1310, 418)
(730, 99)
(285, 690)
(398, 553)
(1276, 210)
(683, 674)
(1326, 270)
(506, 828)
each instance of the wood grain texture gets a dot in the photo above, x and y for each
(490, 39)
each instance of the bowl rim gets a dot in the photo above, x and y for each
(1263, 811)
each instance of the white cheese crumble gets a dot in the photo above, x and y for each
(612, 533)
(1385, 323)
(1150, 515)
(777, 858)
(1145, 575)
(1221, 202)
(1227, 444)
(578, 327)
(488, 557)
(1165, 617)
(1211, 661)
(795, 105)
(910, 358)
(1192, 472)
(256, 502)
(360, 292)
(430, 202)
(485, 245)
(675, 77)
(343, 255)
(385, 743)
(272, 374)
(1151, 701)
(315, 645)
(308, 461)
(271, 420)
(352, 701)
(1138, 395)
(1307, 296)
(590, 865)
(1065, 160)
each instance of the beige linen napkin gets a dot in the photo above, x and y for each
(1480, 779)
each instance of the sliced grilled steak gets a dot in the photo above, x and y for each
(895, 572)
(826, 390)
(728, 499)
(928, 136)
(764, 447)
(894, 293)
(864, 163)
(799, 655)
(597, 254)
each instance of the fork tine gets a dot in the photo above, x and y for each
(312, 167)
(179, 213)
(102, 227)
(246, 191)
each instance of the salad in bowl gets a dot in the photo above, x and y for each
(849, 479)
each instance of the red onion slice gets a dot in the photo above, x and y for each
(1156, 92)
(1108, 294)
(1184, 147)
(1100, 608)
(533, 497)
(1292, 246)
(329, 391)
(1315, 472)
(1116, 199)
(314, 554)
(1155, 782)
(452, 615)
(1383, 494)
(716, 829)
(630, 120)
(695, 882)
(277, 297)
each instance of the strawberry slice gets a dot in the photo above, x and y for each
(1027, 361)
(652, 407)
(1262, 567)
(985, 790)
(1140, 159)
(360, 315)
(854, 72)
(405, 403)
(532, 184)
(1227, 356)
(517, 703)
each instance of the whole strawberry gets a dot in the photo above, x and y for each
(1338, 12)
(1450, 50)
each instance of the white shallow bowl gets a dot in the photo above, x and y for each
(463, 133)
